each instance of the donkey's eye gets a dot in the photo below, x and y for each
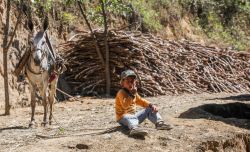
(31, 42)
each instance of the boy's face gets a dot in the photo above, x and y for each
(129, 83)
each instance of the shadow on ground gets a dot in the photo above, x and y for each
(237, 114)
(14, 127)
(126, 131)
(123, 130)
(242, 97)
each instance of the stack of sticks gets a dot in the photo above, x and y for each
(164, 67)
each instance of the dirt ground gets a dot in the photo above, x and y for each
(89, 125)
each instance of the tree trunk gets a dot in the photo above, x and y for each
(107, 71)
(5, 61)
(6, 46)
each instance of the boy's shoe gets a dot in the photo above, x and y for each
(138, 132)
(162, 126)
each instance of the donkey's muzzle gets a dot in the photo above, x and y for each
(37, 61)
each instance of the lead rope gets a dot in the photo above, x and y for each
(60, 129)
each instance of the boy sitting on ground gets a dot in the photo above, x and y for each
(125, 107)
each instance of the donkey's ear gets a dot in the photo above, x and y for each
(24, 9)
(30, 25)
(46, 23)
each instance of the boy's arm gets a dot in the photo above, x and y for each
(142, 102)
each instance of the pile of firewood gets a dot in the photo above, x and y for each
(163, 66)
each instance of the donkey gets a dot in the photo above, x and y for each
(39, 70)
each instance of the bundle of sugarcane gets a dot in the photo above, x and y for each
(163, 66)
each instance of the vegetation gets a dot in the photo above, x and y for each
(223, 21)
(226, 20)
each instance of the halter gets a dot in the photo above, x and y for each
(30, 69)
(44, 53)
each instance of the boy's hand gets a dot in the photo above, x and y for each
(154, 108)
(134, 88)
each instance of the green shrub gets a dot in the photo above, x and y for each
(150, 16)
(68, 18)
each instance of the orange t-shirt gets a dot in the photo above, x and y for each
(126, 104)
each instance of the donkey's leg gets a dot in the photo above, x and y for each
(33, 106)
(45, 105)
(52, 92)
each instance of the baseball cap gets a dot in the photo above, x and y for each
(128, 73)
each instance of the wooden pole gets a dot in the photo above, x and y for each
(92, 34)
(107, 71)
(5, 61)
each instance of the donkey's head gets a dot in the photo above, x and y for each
(39, 47)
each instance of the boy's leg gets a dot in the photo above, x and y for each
(130, 121)
(154, 117)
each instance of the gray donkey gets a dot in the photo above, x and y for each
(40, 70)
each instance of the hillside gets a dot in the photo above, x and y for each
(210, 22)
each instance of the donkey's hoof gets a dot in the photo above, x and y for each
(32, 124)
(44, 124)
(50, 122)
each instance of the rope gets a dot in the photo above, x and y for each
(104, 131)
(64, 93)
(61, 129)
(51, 113)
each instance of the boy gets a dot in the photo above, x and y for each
(125, 107)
